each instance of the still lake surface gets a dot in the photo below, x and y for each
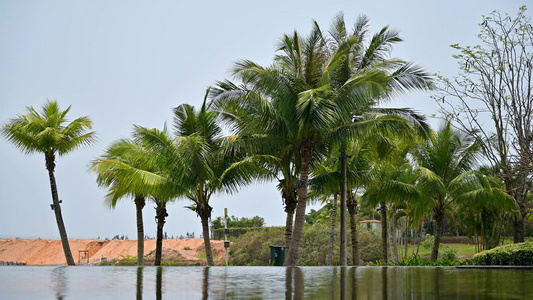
(95, 282)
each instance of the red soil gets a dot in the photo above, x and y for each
(50, 252)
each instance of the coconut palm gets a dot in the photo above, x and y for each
(133, 168)
(299, 89)
(263, 131)
(50, 133)
(312, 89)
(124, 170)
(207, 157)
(445, 177)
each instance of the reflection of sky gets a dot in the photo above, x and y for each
(264, 283)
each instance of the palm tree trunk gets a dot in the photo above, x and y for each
(394, 236)
(50, 166)
(439, 218)
(299, 221)
(161, 214)
(290, 206)
(344, 192)
(406, 236)
(352, 208)
(139, 205)
(332, 230)
(207, 241)
(384, 253)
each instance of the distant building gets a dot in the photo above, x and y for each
(373, 225)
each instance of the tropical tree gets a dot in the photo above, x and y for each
(445, 165)
(266, 133)
(123, 169)
(134, 168)
(206, 159)
(312, 90)
(50, 133)
(491, 100)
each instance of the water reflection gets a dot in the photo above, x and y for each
(59, 282)
(263, 283)
(140, 283)
(159, 284)
(205, 286)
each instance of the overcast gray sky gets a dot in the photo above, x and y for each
(130, 62)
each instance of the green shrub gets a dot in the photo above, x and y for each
(369, 245)
(127, 260)
(314, 246)
(513, 255)
(419, 261)
(253, 248)
(447, 252)
(428, 242)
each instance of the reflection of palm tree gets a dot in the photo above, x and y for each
(384, 290)
(49, 133)
(294, 283)
(205, 286)
(140, 283)
(159, 283)
(60, 282)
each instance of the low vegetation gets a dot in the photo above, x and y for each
(508, 255)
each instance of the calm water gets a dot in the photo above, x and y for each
(91, 282)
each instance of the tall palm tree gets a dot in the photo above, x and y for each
(50, 133)
(371, 55)
(445, 176)
(312, 89)
(123, 169)
(266, 135)
(299, 89)
(132, 168)
(207, 159)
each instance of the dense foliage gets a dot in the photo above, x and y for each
(509, 255)
(253, 248)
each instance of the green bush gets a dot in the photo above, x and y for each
(509, 255)
(253, 248)
(314, 246)
(447, 252)
(369, 245)
(419, 261)
(428, 242)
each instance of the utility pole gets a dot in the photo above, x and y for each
(226, 231)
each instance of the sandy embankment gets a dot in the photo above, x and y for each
(50, 252)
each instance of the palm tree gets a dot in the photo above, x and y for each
(445, 176)
(123, 169)
(207, 157)
(262, 129)
(132, 168)
(312, 89)
(50, 133)
(298, 86)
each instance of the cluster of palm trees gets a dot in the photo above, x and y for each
(310, 120)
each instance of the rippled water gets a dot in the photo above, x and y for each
(91, 282)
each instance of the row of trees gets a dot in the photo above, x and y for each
(290, 120)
